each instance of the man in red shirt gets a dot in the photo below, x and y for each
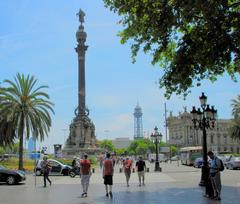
(108, 174)
(127, 165)
(85, 167)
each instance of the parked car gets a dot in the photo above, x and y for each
(174, 158)
(233, 163)
(11, 176)
(57, 168)
(198, 162)
(223, 158)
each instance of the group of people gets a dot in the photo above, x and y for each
(213, 186)
(107, 164)
(141, 168)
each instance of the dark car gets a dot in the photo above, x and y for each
(11, 176)
(57, 168)
(198, 162)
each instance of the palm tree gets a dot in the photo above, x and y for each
(25, 109)
(235, 123)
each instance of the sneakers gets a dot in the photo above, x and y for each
(110, 193)
(84, 194)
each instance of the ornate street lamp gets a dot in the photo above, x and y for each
(204, 118)
(156, 138)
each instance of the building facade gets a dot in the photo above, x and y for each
(121, 142)
(183, 134)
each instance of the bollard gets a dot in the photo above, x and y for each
(147, 169)
(93, 170)
(120, 170)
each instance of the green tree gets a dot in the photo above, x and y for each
(120, 151)
(190, 40)
(107, 145)
(173, 150)
(235, 122)
(26, 108)
(141, 146)
(2, 151)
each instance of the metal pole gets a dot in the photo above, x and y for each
(205, 168)
(165, 107)
(157, 165)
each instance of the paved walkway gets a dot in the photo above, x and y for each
(174, 186)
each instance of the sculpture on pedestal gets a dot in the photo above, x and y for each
(82, 130)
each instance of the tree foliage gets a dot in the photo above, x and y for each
(24, 109)
(235, 123)
(190, 40)
(107, 145)
(140, 147)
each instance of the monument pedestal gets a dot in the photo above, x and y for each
(82, 137)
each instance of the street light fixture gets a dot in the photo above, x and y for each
(204, 119)
(156, 138)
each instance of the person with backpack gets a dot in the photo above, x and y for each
(127, 166)
(46, 168)
(141, 168)
(85, 169)
(216, 166)
(108, 168)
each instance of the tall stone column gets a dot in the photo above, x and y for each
(81, 48)
(82, 130)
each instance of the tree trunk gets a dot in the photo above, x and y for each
(20, 161)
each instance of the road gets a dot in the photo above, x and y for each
(175, 185)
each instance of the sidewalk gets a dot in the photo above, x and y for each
(174, 186)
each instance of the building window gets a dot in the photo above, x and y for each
(225, 139)
(225, 149)
(238, 150)
(211, 138)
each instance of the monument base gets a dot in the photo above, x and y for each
(70, 152)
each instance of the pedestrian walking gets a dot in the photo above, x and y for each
(127, 166)
(85, 168)
(46, 168)
(141, 168)
(108, 169)
(74, 162)
(215, 175)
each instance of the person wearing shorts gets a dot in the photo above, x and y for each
(127, 166)
(108, 175)
(141, 168)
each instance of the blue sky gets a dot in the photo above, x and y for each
(38, 38)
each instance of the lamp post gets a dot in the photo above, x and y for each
(156, 138)
(204, 119)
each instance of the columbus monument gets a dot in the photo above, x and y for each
(82, 130)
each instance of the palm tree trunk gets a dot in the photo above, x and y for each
(21, 131)
(20, 161)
